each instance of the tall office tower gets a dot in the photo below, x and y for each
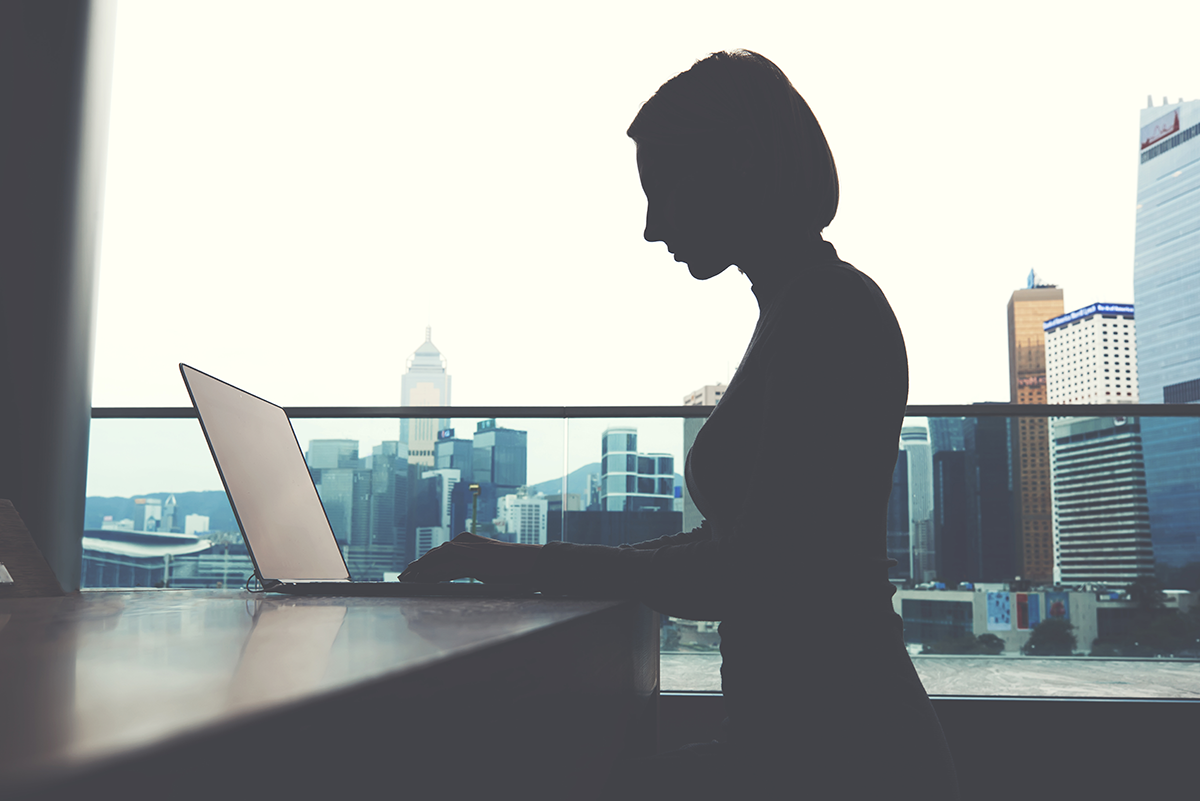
(499, 455)
(449, 452)
(346, 495)
(1166, 291)
(914, 440)
(898, 547)
(433, 510)
(324, 453)
(523, 517)
(424, 384)
(1101, 513)
(946, 433)
(1091, 355)
(991, 442)
(955, 524)
(632, 481)
(707, 395)
(386, 550)
(1027, 309)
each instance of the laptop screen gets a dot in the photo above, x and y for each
(268, 482)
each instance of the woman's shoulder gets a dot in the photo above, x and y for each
(829, 286)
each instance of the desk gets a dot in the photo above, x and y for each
(206, 694)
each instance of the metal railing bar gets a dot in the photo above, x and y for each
(425, 412)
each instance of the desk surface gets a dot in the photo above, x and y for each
(100, 673)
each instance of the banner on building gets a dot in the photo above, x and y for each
(1035, 610)
(1160, 129)
(999, 611)
(1022, 610)
(1058, 606)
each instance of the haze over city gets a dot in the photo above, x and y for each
(304, 233)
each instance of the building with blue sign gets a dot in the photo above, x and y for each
(1166, 290)
(1091, 355)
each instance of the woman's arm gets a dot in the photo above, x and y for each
(699, 533)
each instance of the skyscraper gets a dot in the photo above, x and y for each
(425, 383)
(432, 514)
(1166, 291)
(1100, 518)
(1027, 309)
(991, 442)
(914, 441)
(499, 455)
(898, 547)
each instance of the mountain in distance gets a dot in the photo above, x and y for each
(577, 481)
(212, 503)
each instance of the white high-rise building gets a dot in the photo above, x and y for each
(1091, 355)
(523, 517)
(914, 440)
(425, 383)
(1101, 520)
(195, 524)
(707, 395)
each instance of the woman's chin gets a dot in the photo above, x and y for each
(702, 271)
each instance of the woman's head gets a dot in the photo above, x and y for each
(733, 136)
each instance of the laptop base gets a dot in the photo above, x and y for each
(402, 589)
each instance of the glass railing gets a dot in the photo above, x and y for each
(1041, 535)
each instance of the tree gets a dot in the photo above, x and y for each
(988, 644)
(1147, 593)
(984, 644)
(1052, 637)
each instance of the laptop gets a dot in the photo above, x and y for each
(276, 505)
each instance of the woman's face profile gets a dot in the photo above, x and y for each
(685, 212)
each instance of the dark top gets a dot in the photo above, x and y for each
(792, 472)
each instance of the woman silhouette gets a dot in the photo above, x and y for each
(792, 470)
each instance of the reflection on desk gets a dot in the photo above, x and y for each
(311, 693)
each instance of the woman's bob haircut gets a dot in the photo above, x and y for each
(739, 108)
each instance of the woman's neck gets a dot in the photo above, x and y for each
(774, 263)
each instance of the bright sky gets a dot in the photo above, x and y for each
(296, 189)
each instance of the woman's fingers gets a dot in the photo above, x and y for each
(437, 565)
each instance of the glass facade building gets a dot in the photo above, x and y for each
(632, 481)
(1166, 289)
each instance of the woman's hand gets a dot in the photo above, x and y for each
(470, 556)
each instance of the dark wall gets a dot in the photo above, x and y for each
(55, 66)
(1082, 748)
